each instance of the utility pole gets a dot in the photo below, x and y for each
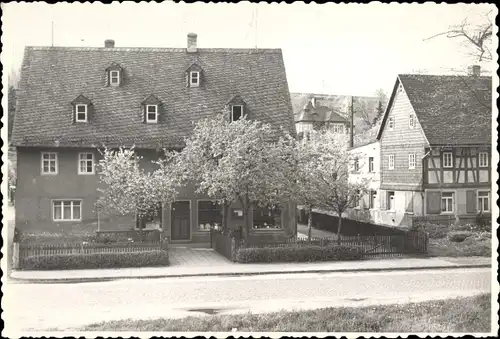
(352, 121)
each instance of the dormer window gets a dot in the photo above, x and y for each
(114, 78)
(82, 109)
(194, 76)
(194, 79)
(81, 113)
(114, 75)
(152, 113)
(236, 112)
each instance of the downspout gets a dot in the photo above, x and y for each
(423, 193)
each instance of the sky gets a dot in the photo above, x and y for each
(331, 48)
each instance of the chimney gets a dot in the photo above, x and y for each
(109, 43)
(475, 70)
(191, 43)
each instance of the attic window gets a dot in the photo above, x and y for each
(236, 112)
(81, 113)
(194, 79)
(391, 122)
(151, 113)
(114, 78)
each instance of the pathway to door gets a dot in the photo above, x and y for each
(196, 257)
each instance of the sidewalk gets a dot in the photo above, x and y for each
(235, 269)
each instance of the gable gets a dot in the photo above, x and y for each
(398, 113)
(257, 76)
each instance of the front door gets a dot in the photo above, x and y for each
(181, 220)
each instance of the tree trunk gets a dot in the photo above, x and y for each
(309, 223)
(246, 218)
(339, 228)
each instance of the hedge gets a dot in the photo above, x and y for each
(96, 260)
(298, 254)
(459, 236)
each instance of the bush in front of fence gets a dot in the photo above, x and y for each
(459, 236)
(298, 254)
(96, 260)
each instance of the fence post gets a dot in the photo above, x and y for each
(15, 255)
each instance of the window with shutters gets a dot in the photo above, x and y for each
(483, 201)
(447, 202)
(150, 220)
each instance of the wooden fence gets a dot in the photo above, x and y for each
(24, 250)
(224, 244)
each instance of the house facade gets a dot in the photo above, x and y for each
(73, 101)
(435, 148)
(366, 166)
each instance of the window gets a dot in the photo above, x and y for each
(447, 159)
(266, 217)
(391, 123)
(447, 202)
(49, 163)
(356, 165)
(151, 113)
(86, 163)
(67, 210)
(209, 215)
(483, 201)
(114, 78)
(236, 112)
(194, 79)
(412, 121)
(391, 161)
(150, 220)
(483, 159)
(81, 113)
(411, 161)
(371, 167)
(391, 203)
(373, 198)
(338, 128)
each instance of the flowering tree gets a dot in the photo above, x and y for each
(241, 161)
(326, 163)
(128, 189)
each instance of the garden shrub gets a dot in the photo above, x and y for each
(435, 231)
(96, 260)
(298, 254)
(459, 236)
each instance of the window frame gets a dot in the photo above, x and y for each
(111, 77)
(56, 163)
(198, 214)
(86, 112)
(411, 121)
(338, 128)
(148, 121)
(373, 198)
(356, 165)
(480, 201)
(191, 83)
(452, 197)
(412, 156)
(232, 112)
(393, 157)
(159, 215)
(393, 195)
(391, 123)
(444, 161)
(371, 164)
(86, 160)
(62, 201)
(486, 158)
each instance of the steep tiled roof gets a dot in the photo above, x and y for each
(452, 110)
(52, 77)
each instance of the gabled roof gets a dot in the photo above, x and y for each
(51, 77)
(452, 109)
(319, 114)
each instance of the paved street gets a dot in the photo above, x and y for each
(41, 306)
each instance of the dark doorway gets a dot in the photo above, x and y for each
(181, 220)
